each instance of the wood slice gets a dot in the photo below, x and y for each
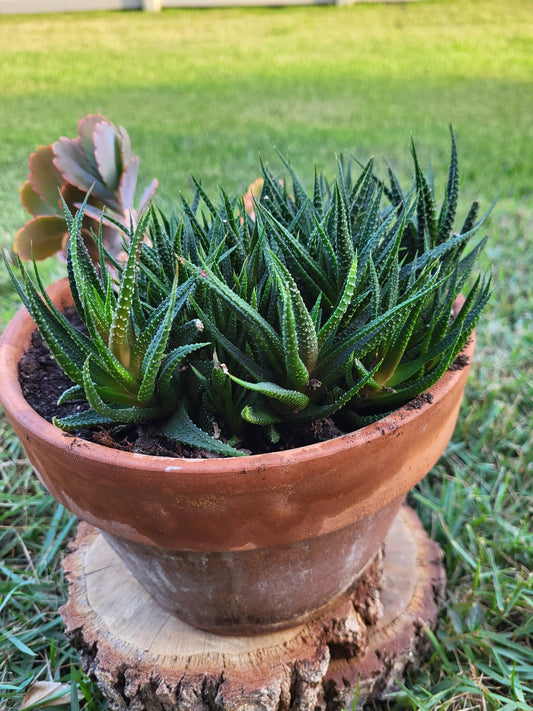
(145, 659)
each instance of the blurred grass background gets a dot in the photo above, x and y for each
(206, 92)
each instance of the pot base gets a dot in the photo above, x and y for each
(261, 590)
(142, 655)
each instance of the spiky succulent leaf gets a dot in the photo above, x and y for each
(268, 339)
(306, 341)
(80, 420)
(155, 352)
(427, 210)
(332, 324)
(171, 362)
(344, 247)
(260, 416)
(114, 412)
(120, 329)
(319, 412)
(181, 428)
(449, 205)
(295, 253)
(290, 399)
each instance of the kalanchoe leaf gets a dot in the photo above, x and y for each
(44, 177)
(128, 181)
(107, 154)
(100, 160)
(34, 204)
(86, 128)
(148, 194)
(71, 161)
(125, 145)
(41, 237)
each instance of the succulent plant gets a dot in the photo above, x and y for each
(123, 367)
(340, 303)
(234, 317)
(98, 161)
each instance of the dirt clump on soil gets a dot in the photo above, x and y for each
(419, 401)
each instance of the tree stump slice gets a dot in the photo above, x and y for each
(145, 659)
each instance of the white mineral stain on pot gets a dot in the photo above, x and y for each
(173, 468)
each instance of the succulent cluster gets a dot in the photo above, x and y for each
(288, 307)
(100, 162)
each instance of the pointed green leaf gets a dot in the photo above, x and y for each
(181, 428)
(120, 330)
(259, 416)
(343, 239)
(334, 321)
(87, 418)
(290, 398)
(449, 206)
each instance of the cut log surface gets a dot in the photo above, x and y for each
(145, 659)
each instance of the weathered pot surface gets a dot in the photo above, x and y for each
(238, 545)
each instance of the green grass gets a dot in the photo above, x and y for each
(205, 92)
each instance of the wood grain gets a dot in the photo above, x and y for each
(145, 658)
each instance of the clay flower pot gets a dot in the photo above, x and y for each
(245, 544)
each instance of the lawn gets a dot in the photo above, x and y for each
(206, 93)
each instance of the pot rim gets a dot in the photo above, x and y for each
(20, 328)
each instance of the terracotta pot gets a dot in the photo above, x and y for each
(246, 544)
